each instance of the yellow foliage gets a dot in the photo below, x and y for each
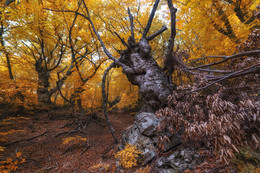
(100, 166)
(10, 164)
(129, 156)
(2, 148)
(9, 132)
(73, 140)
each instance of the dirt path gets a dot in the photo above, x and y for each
(47, 153)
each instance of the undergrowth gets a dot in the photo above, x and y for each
(128, 157)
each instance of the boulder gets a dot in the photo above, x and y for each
(143, 143)
(178, 161)
(143, 134)
(147, 123)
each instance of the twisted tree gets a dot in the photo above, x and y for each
(138, 64)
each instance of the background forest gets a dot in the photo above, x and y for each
(52, 64)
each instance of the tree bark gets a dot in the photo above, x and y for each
(5, 52)
(44, 96)
(153, 83)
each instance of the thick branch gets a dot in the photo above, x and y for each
(173, 27)
(6, 53)
(150, 20)
(8, 2)
(151, 37)
(131, 25)
(61, 81)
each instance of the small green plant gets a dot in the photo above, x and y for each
(129, 156)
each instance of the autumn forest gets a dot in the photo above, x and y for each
(130, 86)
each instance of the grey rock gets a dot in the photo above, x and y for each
(147, 123)
(144, 144)
(143, 135)
(179, 161)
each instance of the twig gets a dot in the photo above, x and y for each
(108, 54)
(96, 121)
(22, 140)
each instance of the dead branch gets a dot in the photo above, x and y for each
(67, 132)
(87, 147)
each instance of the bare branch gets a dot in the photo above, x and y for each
(125, 68)
(68, 11)
(131, 25)
(173, 27)
(8, 2)
(214, 71)
(150, 20)
(151, 37)
(226, 58)
(252, 69)
(121, 39)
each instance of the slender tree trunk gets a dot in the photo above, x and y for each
(5, 52)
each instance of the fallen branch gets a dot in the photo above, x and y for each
(88, 146)
(69, 132)
(22, 140)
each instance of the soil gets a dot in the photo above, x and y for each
(48, 153)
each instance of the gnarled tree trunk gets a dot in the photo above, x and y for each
(140, 67)
(153, 83)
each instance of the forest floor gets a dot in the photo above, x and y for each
(40, 139)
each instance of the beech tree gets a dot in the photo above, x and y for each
(138, 64)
